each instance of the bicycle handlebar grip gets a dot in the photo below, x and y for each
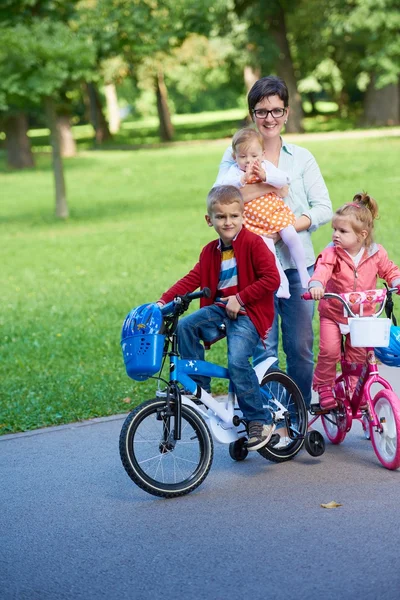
(306, 296)
(204, 293)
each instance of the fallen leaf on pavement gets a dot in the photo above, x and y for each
(331, 504)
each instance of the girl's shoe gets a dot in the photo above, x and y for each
(326, 399)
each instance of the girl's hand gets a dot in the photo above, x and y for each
(232, 307)
(317, 293)
(259, 171)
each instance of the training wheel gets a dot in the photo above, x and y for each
(238, 450)
(314, 443)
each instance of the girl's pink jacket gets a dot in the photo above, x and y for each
(337, 273)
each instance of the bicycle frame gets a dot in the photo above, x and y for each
(221, 414)
(366, 372)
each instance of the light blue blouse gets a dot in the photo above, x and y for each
(308, 195)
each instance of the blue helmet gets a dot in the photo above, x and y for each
(391, 355)
(144, 319)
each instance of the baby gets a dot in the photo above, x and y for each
(267, 214)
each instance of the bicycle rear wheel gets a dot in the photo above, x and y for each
(154, 460)
(386, 443)
(281, 394)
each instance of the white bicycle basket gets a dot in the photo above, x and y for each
(369, 332)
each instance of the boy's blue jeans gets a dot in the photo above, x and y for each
(297, 335)
(242, 338)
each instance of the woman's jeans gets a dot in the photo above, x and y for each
(297, 335)
(242, 338)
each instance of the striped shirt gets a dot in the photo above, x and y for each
(228, 276)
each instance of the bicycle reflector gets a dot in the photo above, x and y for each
(142, 342)
(391, 355)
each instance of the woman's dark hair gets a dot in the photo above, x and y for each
(265, 87)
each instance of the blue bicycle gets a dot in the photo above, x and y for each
(166, 443)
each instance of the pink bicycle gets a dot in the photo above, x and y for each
(380, 413)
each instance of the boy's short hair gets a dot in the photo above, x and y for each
(245, 136)
(224, 194)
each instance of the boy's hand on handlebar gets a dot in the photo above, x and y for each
(232, 306)
(316, 293)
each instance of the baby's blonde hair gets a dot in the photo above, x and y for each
(224, 194)
(245, 136)
(361, 212)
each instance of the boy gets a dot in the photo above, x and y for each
(241, 274)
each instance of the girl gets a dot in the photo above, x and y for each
(352, 262)
(267, 214)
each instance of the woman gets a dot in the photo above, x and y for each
(308, 198)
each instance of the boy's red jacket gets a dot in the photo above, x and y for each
(258, 278)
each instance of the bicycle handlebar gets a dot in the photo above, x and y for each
(184, 301)
(371, 296)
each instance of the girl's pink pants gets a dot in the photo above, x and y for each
(329, 353)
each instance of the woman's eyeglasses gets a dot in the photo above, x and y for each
(262, 113)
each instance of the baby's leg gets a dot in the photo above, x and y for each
(283, 291)
(293, 242)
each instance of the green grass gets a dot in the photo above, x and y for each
(136, 225)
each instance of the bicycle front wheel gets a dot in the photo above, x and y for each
(154, 460)
(386, 442)
(282, 396)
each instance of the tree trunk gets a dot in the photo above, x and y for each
(18, 146)
(381, 107)
(97, 118)
(286, 71)
(250, 76)
(61, 200)
(166, 127)
(67, 142)
(112, 107)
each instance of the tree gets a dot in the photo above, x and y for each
(139, 30)
(37, 61)
(269, 36)
(351, 49)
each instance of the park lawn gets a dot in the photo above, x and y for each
(137, 224)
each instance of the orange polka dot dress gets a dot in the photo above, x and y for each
(267, 214)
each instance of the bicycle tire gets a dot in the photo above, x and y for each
(386, 444)
(335, 424)
(155, 461)
(278, 386)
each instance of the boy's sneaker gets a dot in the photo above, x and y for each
(259, 435)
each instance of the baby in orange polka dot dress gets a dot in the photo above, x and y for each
(267, 214)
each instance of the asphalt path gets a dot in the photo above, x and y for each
(74, 526)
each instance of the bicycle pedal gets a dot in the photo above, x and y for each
(315, 409)
(275, 439)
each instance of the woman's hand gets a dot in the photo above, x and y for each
(282, 192)
(275, 237)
